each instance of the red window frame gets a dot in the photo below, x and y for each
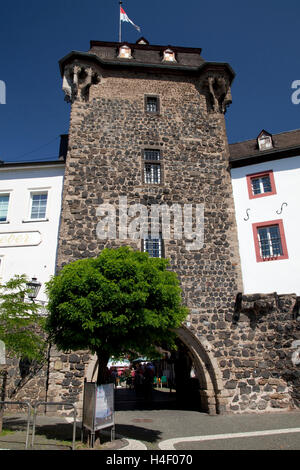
(259, 175)
(270, 223)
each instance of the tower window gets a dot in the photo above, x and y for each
(152, 173)
(152, 167)
(152, 104)
(153, 246)
(153, 155)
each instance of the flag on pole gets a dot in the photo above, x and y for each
(124, 17)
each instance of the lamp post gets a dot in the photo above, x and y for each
(34, 287)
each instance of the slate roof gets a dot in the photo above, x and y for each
(147, 53)
(146, 56)
(285, 144)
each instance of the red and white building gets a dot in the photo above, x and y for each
(266, 188)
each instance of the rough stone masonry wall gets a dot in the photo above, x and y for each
(107, 136)
(21, 380)
(259, 357)
(67, 372)
(25, 380)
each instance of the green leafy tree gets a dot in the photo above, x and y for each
(20, 321)
(21, 326)
(120, 302)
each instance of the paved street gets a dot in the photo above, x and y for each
(162, 427)
(178, 430)
(167, 428)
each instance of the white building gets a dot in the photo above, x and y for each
(30, 206)
(266, 187)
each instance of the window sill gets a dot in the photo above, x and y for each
(257, 196)
(152, 113)
(34, 220)
(272, 258)
(4, 222)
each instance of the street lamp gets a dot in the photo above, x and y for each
(34, 287)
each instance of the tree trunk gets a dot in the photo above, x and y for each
(103, 374)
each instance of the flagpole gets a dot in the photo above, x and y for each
(120, 25)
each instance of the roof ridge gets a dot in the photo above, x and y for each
(273, 135)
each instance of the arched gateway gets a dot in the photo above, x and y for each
(211, 394)
(207, 371)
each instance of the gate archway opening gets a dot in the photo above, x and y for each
(196, 382)
(212, 395)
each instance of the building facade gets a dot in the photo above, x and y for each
(266, 194)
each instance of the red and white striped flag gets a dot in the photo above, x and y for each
(124, 17)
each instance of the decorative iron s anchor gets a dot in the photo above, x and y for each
(283, 204)
(247, 210)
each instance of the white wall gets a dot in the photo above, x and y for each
(39, 260)
(281, 276)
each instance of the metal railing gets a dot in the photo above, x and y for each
(54, 403)
(24, 403)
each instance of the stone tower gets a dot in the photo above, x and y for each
(147, 124)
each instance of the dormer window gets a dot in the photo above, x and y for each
(142, 41)
(125, 52)
(169, 55)
(264, 141)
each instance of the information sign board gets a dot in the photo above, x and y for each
(104, 412)
(98, 406)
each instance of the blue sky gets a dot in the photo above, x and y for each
(259, 39)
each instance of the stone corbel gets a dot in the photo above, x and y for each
(67, 84)
(86, 84)
(77, 81)
(76, 71)
(219, 93)
(254, 306)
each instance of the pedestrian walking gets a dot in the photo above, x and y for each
(148, 382)
(139, 382)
